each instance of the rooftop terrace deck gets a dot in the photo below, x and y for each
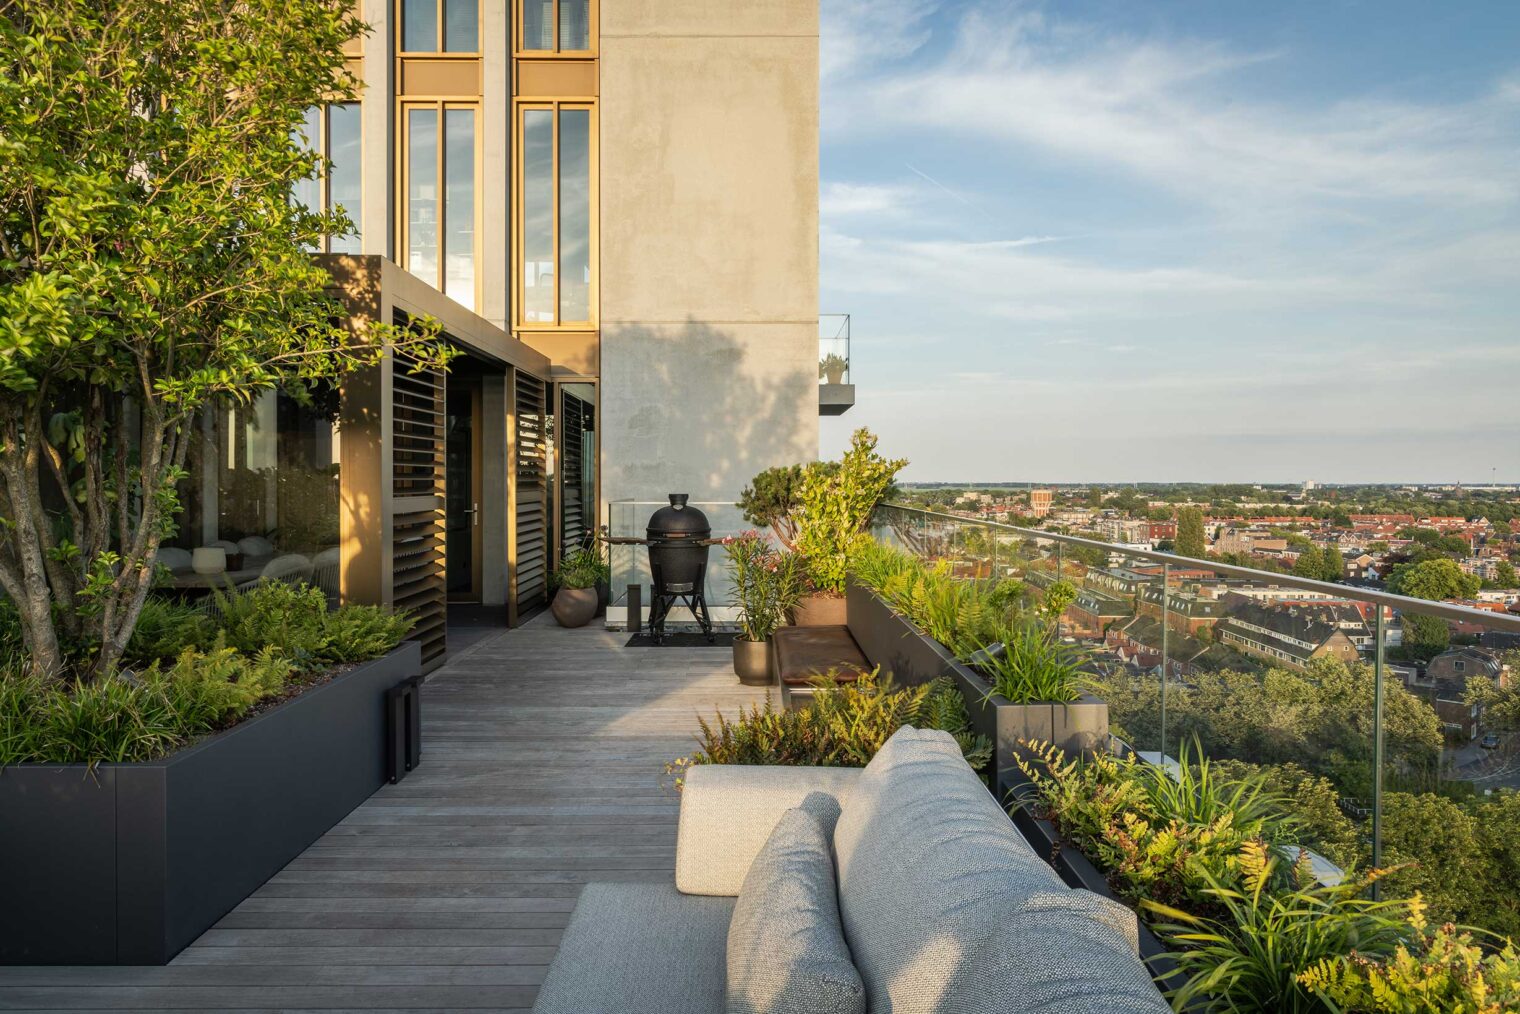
(543, 766)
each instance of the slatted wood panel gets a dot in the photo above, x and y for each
(573, 524)
(450, 890)
(417, 450)
(532, 492)
(417, 462)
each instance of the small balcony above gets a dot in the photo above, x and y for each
(836, 390)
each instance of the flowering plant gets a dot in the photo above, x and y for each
(766, 583)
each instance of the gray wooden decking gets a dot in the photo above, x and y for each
(543, 766)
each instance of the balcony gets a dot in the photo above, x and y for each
(836, 389)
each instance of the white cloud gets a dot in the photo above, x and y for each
(866, 33)
(837, 199)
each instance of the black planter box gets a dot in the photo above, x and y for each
(128, 864)
(1077, 871)
(891, 642)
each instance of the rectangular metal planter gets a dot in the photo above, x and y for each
(894, 644)
(128, 864)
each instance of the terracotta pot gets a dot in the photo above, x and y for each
(574, 607)
(752, 662)
(834, 375)
(820, 611)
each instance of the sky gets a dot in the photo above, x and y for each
(1176, 240)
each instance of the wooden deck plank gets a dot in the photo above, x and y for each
(543, 770)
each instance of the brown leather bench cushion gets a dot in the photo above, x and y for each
(805, 653)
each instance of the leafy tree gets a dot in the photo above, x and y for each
(1310, 563)
(1190, 538)
(1434, 580)
(1333, 564)
(1505, 575)
(770, 500)
(151, 263)
(1441, 842)
(835, 504)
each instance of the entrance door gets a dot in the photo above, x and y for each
(462, 516)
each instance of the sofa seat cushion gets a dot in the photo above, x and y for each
(639, 949)
(786, 952)
(929, 868)
(805, 653)
(1065, 952)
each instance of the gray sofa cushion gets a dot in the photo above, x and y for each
(929, 868)
(786, 952)
(1068, 952)
(639, 949)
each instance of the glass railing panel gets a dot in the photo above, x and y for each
(1449, 808)
(1106, 619)
(834, 348)
(630, 563)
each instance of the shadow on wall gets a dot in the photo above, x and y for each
(692, 408)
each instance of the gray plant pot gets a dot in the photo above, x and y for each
(574, 607)
(752, 662)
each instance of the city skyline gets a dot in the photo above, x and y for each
(1177, 242)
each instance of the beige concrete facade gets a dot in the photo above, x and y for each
(709, 239)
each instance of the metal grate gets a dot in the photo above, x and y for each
(532, 492)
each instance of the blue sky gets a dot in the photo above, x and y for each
(1136, 240)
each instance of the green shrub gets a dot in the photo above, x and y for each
(166, 628)
(1033, 665)
(834, 507)
(843, 726)
(354, 633)
(1252, 956)
(121, 718)
(273, 613)
(1155, 834)
(583, 568)
(960, 614)
(1437, 970)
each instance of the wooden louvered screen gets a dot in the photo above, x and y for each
(532, 490)
(572, 428)
(417, 558)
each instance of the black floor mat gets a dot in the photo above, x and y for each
(679, 639)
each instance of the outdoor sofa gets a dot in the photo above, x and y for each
(901, 887)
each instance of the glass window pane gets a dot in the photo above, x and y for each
(422, 194)
(538, 216)
(308, 191)
(343, 186)
(419, 28)
(574, 214)
(459, 206)
(461, 26)
(538, 24)
(574, 24)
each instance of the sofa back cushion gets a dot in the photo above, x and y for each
(929, 867)
(1069, 951)
(786, 952)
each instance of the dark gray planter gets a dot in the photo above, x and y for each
(128, 864)
(890, 641)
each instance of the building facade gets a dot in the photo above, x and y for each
(612, 211)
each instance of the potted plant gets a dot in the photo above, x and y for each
(577, 577)
(766, 587)
(834, 503)
(832, 367)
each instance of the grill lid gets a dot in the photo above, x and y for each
(678, 521)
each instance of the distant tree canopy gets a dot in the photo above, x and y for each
(1190, 539)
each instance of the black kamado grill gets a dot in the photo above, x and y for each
(678, 540)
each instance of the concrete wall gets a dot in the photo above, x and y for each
(709, 243)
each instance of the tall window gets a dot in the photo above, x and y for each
(441, 184)
(440, 26)
(556, 26)
(333, 132)
(556, 212)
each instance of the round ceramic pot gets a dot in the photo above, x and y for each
(574, 607)
(820, 611)
(752, 662)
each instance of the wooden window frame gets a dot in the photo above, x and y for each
(404, 190)
(593, 298)
(593, 34)
(438, 25)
